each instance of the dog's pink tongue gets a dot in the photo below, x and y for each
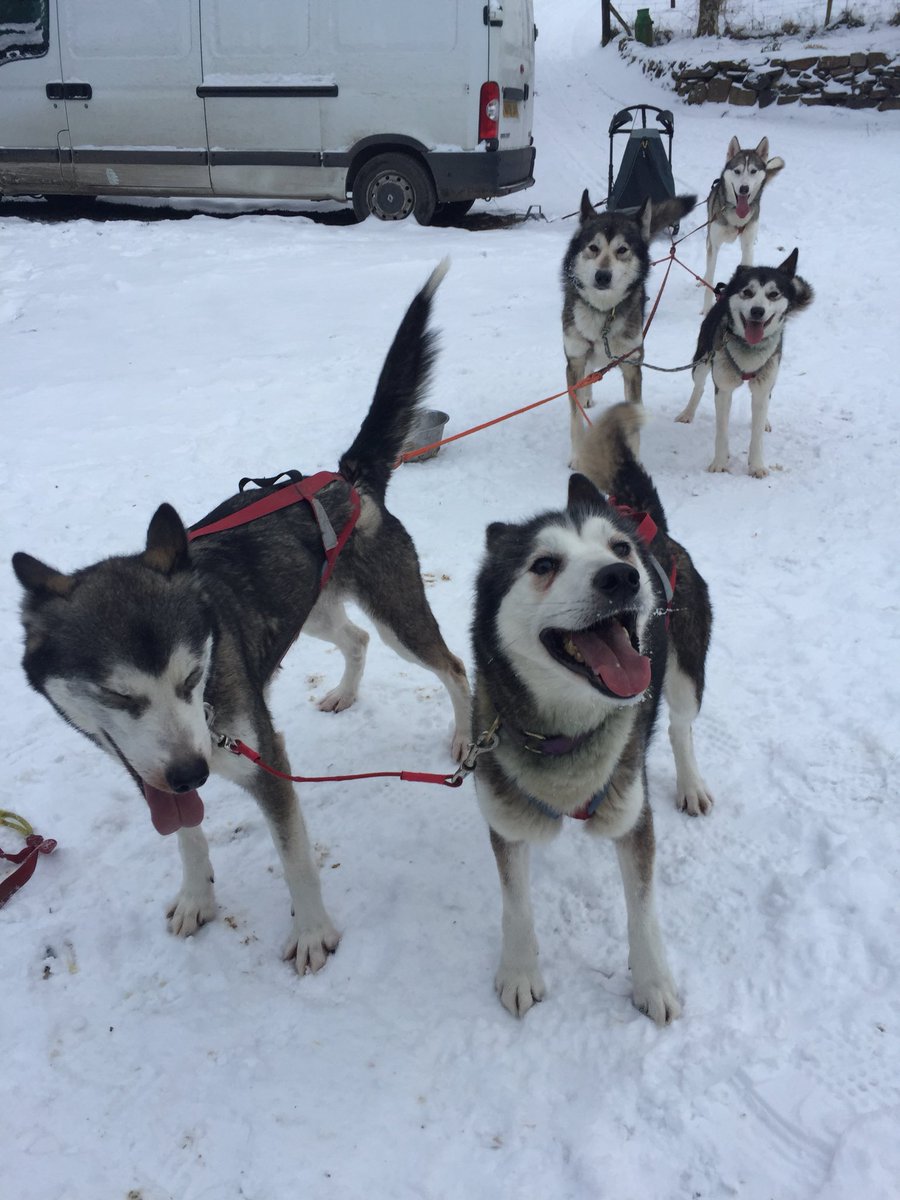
(610, 654)
(754, 332)
(170, 812)
(742, 204)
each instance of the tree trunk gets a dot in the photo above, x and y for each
(708, 17)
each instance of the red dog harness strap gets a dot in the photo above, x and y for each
(283, 497)
(25, 859)
(646, 531)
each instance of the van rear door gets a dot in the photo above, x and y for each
(130, 73)
(32, 109)
(511, 24)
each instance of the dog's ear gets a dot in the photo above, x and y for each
(38, 578)
(773, 166)
(802, 294)
(587, 209)
(763, 149)
(497, 537)
(167, 544)
(734, 147)
(644, 219)
(583, 493)
(789, 266)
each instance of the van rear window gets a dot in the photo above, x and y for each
(24, 29)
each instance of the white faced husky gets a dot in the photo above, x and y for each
(604, 274)
(734, 203)
(145, 654)
(573, 647)
(741, 340)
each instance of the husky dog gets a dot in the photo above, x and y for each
(147, 654)
(572, 651)
(603, 277)
(733, 205)
(741, 341)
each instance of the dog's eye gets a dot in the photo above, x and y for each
(545, 565)
(621, 549)
(773, 296)
(122, 701)
(622, 252)
(747, 294)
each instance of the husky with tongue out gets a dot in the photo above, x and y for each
(576, 634)
(741, 341)
(733, 205)
(148, 654)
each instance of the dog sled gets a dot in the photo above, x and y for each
(646, 168)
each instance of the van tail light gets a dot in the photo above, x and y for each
(489, 113)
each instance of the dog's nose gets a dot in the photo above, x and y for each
(602, 279)
(618, 581)
(187, 776)
(757, 313)
(744, 189)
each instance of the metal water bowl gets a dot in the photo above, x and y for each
(428, 427)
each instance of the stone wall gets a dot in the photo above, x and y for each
(863, 79)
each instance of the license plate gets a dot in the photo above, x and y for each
(510, 108)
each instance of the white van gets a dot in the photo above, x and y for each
(408, 106)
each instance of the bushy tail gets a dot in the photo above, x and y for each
(668, 212)
(607, 454)
(401, 388)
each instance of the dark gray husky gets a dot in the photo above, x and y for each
(603, 276)
(573, 648)
(148, 654)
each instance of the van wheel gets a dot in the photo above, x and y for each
(392, 187)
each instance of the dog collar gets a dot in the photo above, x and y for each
(548, 745)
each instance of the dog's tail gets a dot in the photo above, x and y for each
(401, 388)
(668, 212)
(607, 454)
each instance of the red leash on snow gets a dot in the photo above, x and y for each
(26, 858)
(408, 777)
(236, 746)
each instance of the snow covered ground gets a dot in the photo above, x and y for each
(164, 360)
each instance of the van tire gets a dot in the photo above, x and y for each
(393, 187)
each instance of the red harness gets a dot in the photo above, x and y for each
(25, 860)
(646, 531)
(292, 493)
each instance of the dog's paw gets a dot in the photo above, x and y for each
(459, 744)
(717, 467)
(658, 1000)
(685, 416)
(695, 800)
(309, 946)
(189, 910)
(519, 988)
(337, 700)
(768, 427)
(759, 471)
